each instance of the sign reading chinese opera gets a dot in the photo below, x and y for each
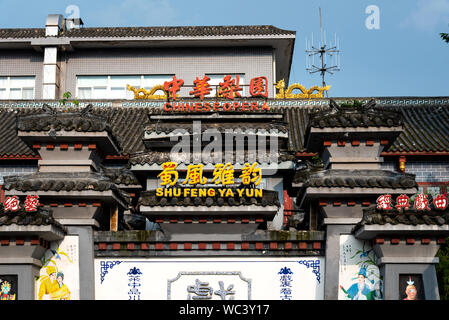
(229, 89)
(215, 106)
(223, 175)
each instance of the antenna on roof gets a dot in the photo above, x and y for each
(326, 53)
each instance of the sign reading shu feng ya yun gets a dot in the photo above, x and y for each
(223, 175)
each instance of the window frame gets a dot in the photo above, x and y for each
(109, 85)
(9, 87)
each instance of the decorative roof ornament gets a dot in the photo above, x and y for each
(142, 93)
(355, 114)
(305, 93)
(83, 120)
(49, 110)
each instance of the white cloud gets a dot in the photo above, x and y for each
(428, 15)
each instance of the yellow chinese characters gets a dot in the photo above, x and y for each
(169, 176)
(251, 174)
(223, 174)
(195, 175)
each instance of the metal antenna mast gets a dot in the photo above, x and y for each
(324, 52)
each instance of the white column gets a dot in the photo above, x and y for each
(51, 73)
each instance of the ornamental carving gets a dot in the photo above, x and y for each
(305, 93)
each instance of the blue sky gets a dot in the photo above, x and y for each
(404, 57)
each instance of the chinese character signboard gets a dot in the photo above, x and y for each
(229, 88)
(210, 279)
(222, 175)
(421, 202)
(13, 204)
(236, 106)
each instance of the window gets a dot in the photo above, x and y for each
(17, 87)
(432, 188)
(115, 87)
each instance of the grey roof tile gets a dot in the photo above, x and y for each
(412, 217)
(62, 181)
(426, 128)
(175, 31)
(340, 178)
(41, 217)
(343, 116)
(159, 157)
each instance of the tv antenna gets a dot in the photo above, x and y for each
(327, 55)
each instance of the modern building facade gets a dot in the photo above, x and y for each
(176, 163)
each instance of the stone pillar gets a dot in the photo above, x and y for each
(86, 260)
(391, 271)
(400, 258)
(331, 280)
(50, 89)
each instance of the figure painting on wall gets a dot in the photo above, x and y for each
(48, 284)
(363, 288)
(52, 286)
(56, 281)
(63, 292)
(359, 275)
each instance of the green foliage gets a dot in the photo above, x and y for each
(354, 104)
(442, 270)
(65, 97)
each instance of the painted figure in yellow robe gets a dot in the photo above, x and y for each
(48, 284)
(63, 292)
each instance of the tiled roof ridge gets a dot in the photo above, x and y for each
(149, 198)
(355, 115)
(128, 126)
(163, 127)
(369, 178)
(157, 31)
(159, 157)
(374, 216)
(22, 217)
(121, 175)
(17, 33)
(73, 119)
(57, 181)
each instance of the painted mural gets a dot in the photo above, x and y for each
(59, 275)
(210, 279)
(359, 276)
(8, 287)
